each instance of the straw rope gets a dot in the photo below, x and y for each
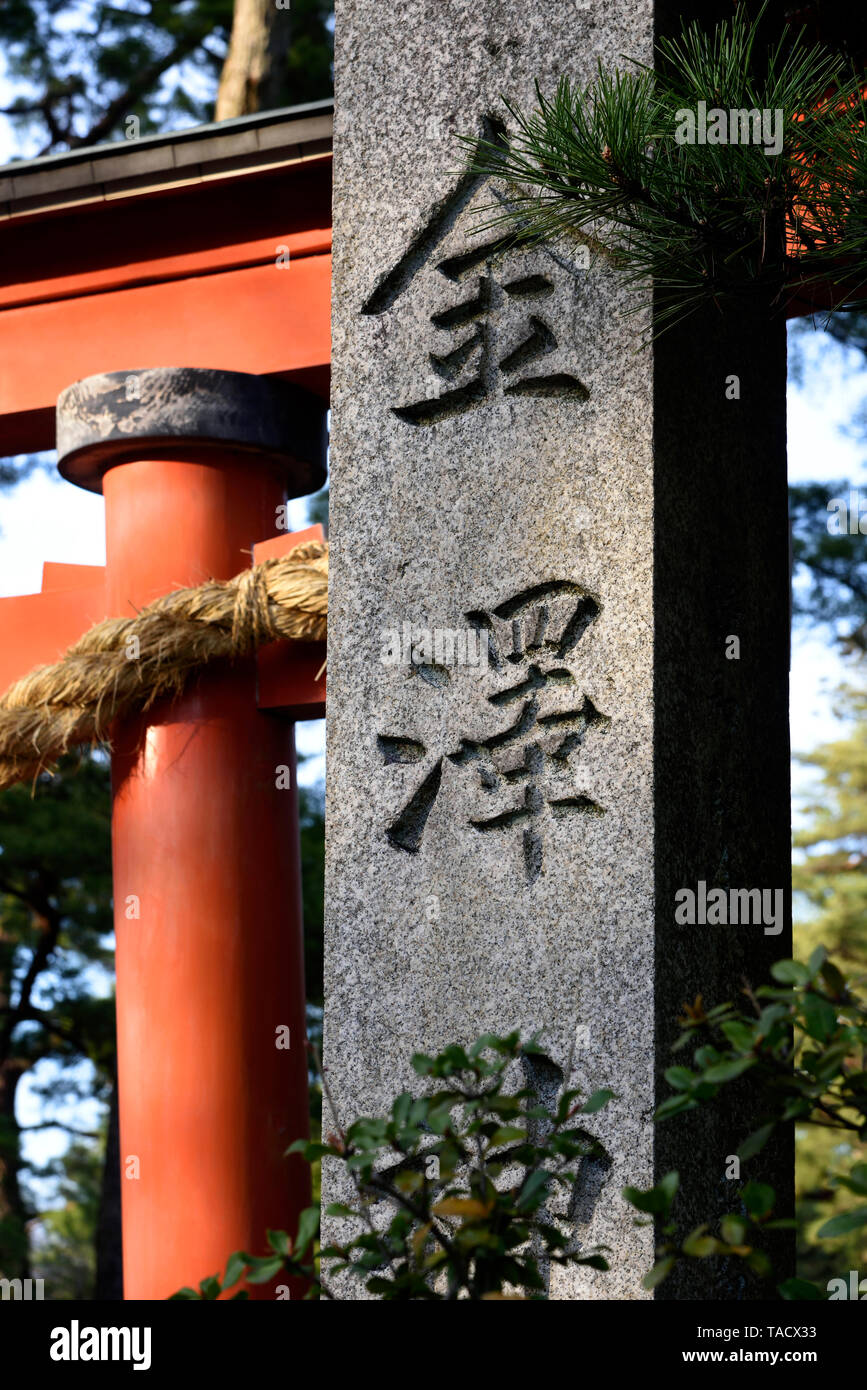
(123, 665)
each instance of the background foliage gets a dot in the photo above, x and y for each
(81, 67)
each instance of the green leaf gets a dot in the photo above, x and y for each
(759, 1264)
(235, 1267)
(279, 1242)
(796, 1289)
(308, 1229)
(669, 1183)
(185, 1293)
(362, 1162)
(681, 1078)
(844, 1223)
(467, 1208)
(675, 1105)
(740, 1035)
(727, 1071)
(439, 1118)
(758, 1198)
(734, 1230)
(533, 1190)
(771, 1014)
(400, 1109)
(210, 1287)
(409, 1182)
(264, 1270)
(856, 1179)
(833, 979)
(817, 960)
(660, 1270)
(596, 1101)
(796, 1108)
(656, 1199)
(828, 1062)
(754, 1143)
(310, 1149)
(820, 1017)
(339, 1209)
(369, 1133)
(593, 1261)
(791, 972)
(453, 1058)
(507, 1134)
(648, 1201)
(385, 1287)
(699, 1245)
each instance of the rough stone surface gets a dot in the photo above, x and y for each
(99, 417)
(495, 504)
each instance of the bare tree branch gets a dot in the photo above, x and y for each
(145, 80)
(59, 1124)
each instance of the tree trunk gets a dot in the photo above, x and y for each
(14, 1239)
(109, 1252)
(254, 76)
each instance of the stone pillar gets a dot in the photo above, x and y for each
(504, 843)
(207, 893)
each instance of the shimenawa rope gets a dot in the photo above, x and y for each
(123, 665)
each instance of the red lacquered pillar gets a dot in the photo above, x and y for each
(193, 466)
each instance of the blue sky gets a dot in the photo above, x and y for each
(819, 411)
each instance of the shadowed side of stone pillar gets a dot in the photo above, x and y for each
(721, 731)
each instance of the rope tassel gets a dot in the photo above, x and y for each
(76, 700)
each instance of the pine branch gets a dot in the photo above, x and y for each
(705, 222)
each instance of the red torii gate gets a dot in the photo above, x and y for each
(209, 250)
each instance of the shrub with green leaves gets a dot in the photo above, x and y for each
(454, 1194)
(803, 1043)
